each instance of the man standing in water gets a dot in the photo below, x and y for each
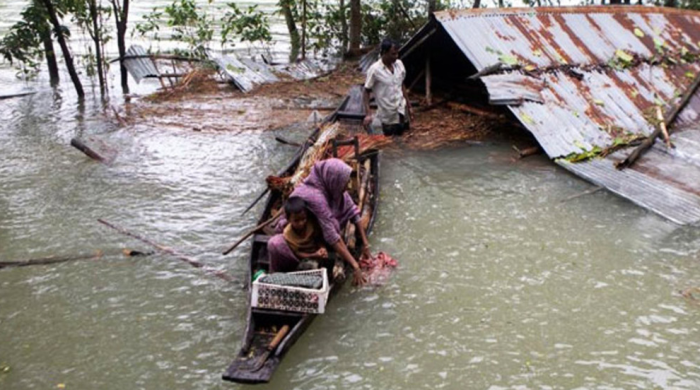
(385, 80)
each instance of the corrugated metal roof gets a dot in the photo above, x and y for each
(653, 182)
(142, 67)
(246, 78)
(247, 74)
(513, 89)
(598, 71)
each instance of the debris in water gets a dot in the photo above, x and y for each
(94, 148)
(378, 268)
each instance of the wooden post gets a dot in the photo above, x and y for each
(160, 78)
(428, 81)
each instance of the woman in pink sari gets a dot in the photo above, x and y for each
(324, 192)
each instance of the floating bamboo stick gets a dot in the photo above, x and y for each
(62, 259)
(189, 260)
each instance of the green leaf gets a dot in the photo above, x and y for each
(526, 118)
(658, 42)
(508, 59)
(529, 68)
(538, 52)
(623, 56)
(690, 75)
(638, 33)
(599, 102)
(584, 155)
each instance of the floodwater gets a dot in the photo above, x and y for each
(501, 285)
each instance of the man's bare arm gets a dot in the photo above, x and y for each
(365, 102)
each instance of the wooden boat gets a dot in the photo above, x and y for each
(256, 361)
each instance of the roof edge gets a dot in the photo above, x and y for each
(606, 9)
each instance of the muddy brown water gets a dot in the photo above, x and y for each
(500, 284)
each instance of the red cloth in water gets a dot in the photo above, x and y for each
(378, 267)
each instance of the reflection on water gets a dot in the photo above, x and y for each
(500, 286)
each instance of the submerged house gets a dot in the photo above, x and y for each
(586, 82)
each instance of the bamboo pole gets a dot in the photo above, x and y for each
(253, 231)
(51, 260)
(668, 120)
(415, 81)
(662, 126)
(350, 236)
(98, 254)
(16, 95)
(189, 260)
(473, 110)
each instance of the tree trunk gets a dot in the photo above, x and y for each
(355, 27)
(500, 4)
(50, 54)
(64, 48)
(121, 32)
(303, 29)
(98, 46)
(343, 26)
(121, 15)
(44, 30)
(670, 3)
(477, 4)
(615, 2)
(291, 27)
(432, 6)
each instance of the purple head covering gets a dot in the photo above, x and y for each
(325, 196)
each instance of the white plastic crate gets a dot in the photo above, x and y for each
(291, 298)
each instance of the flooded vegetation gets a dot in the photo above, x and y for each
(502, 283)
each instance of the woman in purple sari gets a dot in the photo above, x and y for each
(324, 192)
